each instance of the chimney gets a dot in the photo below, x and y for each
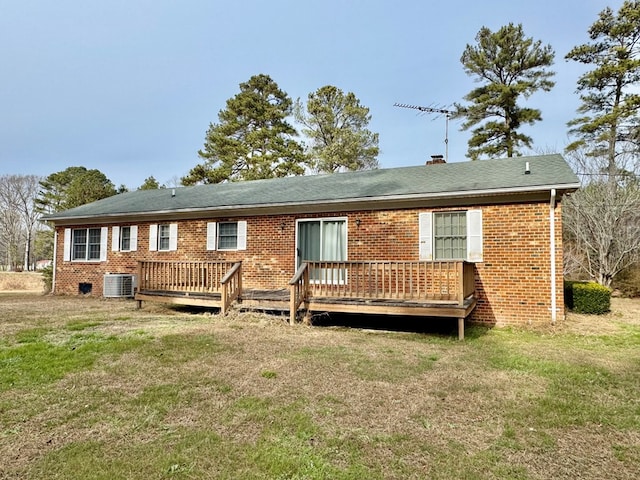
(436, 159)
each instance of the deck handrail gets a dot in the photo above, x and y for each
(231, 286)
(298, 290)
(182, 276)
(437, 281)
(445, 282)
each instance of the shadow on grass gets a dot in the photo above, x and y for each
(437, 326)
(194, 310)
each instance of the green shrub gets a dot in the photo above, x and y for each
(47, 276)
(587, 297)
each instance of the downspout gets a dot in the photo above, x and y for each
(55, 257)
(552, 245)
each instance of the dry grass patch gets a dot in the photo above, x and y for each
(165, 393)
(21, 282)
(624, 312)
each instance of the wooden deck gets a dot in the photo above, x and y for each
(425, 289)
(206, 284)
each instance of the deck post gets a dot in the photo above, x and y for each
(292, 304)
(461, 328)
(224, 298)
(460, 283)
(305, 289)
(140, 281)
(298, 291)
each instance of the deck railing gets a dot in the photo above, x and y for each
(468, 281)
(179, 276)
(447, 282)
(442, 281)
(298, 290)
(231, 286)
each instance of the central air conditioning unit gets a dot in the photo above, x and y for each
(118, 285)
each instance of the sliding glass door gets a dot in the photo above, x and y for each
(323, 240)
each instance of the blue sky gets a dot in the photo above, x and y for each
(130, 86)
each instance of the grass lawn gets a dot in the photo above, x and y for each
(95, 389)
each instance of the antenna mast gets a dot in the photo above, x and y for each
(447, 114)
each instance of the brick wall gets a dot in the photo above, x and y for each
(513, 281)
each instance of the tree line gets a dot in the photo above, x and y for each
(254, 138)
(24, 239)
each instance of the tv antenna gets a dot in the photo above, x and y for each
(447, 115)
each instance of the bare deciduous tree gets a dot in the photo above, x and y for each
(18, 218)
(602, 219)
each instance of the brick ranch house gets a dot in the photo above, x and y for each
(476, 239)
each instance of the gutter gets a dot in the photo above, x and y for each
(552, 246)
(55, 258)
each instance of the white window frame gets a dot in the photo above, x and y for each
(69, 236)
(117, 238)
(213, 240)
(462, 218)
(474, 236)
(164, 237)
(154, 237)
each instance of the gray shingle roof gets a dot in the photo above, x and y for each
(483, 176)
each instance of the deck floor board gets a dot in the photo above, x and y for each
(279, 299)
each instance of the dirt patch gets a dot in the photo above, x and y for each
(21, 282)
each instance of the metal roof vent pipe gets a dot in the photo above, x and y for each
(527, 170)
(173, 190)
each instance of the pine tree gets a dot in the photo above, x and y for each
(509, 66)
(150, 183)
(88, 187)
(336, 125)
(610, 105)
(52, 196)
(252, 140)
(603, 218)
(67, 189)
(71, 188)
